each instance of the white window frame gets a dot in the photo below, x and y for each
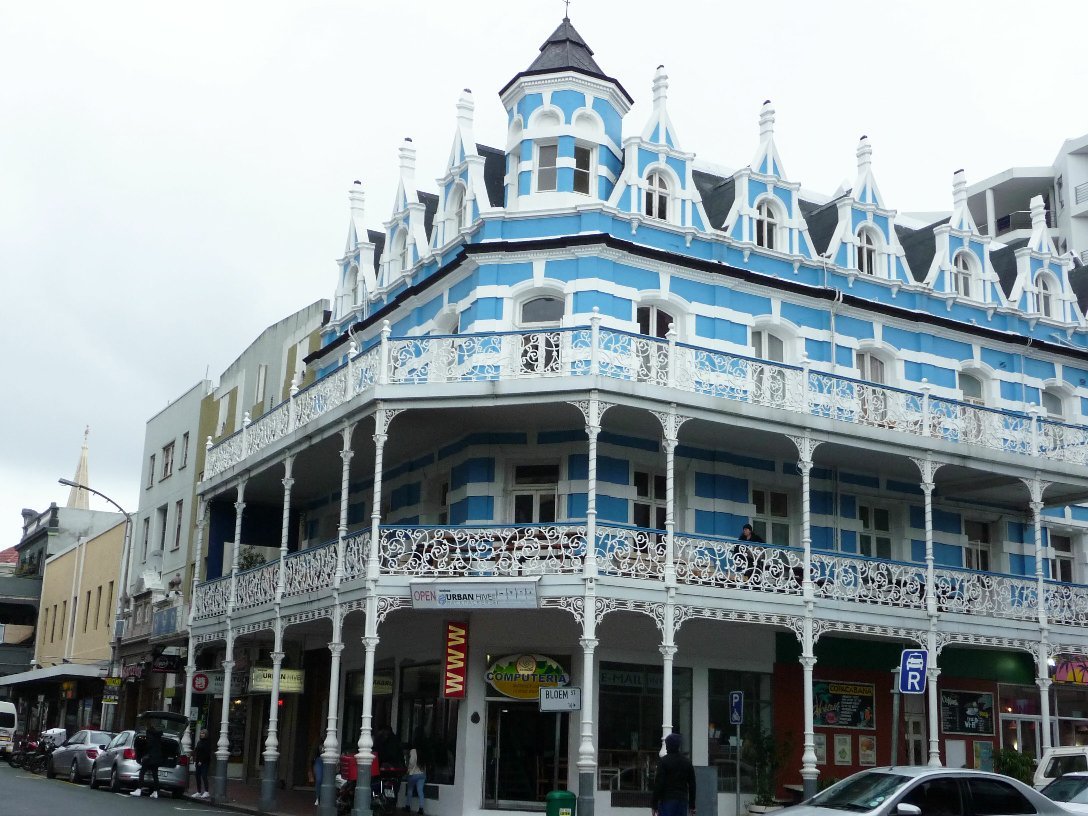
(458, 210)
(658, 196)
(653, 313)
(978, 554)
(874, 534)
(763, 524)
(964, 274)
(536, 490)
(168, 460)
(1052, 394)
(657, 505)
(398, 252)
(768, 230)
(1046, 295)
(868, 251)
(538, 167)
(590, 170)
(1063, 567)
(539, 351)
(971, 399)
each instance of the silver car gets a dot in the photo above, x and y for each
(119, 765)
(923, 791)
(1071, 790)
(73, 757)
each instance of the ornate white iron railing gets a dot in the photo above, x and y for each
(733, 564)
(618, 355)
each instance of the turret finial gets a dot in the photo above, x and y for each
(661, 87)
(766, 120)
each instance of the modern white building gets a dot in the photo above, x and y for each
(548, 399)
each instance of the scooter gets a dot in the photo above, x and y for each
(385, 782)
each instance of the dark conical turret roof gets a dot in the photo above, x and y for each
(565, 50)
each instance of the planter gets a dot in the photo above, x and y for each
(758, 809)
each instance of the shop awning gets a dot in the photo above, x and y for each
(52, 673)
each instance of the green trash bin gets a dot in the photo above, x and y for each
(560, 803)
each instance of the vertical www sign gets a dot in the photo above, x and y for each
(453, 685)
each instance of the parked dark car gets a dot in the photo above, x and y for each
(119, 765)
(75, 755)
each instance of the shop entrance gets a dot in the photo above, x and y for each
(526, 754)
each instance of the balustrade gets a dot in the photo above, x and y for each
(636, 358)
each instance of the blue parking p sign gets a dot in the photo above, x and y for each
(736, 707)
(912, 671)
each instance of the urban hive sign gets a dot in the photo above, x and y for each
(523, 676)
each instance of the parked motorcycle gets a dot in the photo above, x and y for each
(385, 782)
(21, 749)
(38, 762)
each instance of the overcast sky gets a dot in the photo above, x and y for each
(173, 177)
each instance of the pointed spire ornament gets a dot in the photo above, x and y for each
(78, 498)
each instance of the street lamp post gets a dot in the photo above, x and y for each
(122, 592)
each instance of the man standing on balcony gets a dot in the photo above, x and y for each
(748, 534)
(674, 784)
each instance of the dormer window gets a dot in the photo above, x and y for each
(583, 164)
(867, 252)
(963, 274)
(971, 388)
(657, 196)
(546, 172)
(398, 253)
(1044, 296)
(767, 225)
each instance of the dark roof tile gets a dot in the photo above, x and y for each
(717, 194)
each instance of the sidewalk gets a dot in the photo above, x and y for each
(245, 797)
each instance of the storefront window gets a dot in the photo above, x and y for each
(1020, 720)
(722, 737)
(426, 718)
(630, 722)
(1071, 709)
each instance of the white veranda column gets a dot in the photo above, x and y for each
(1037, 487)
(190, 663)
(222, 753)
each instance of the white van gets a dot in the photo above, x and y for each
(8, 724)
(1059, 761)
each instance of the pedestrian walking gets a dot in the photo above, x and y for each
(674, 785)
(202, 756)
(317, 771)
(151, 761)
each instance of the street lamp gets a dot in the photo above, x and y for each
(122, 590)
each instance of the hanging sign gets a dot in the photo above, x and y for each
(512, 593)
(455, 670)
(523, 676)
(168, 664)
(291, 680)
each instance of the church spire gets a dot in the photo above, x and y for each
(77, 497)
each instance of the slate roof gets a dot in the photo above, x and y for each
(717, 193)
(378, 239)
(494, 174)
(1004, 263)
(822, 219)
(920, 246)
(430, 204)
(565, 50)
(1078, 282)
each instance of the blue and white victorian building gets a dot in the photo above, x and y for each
(549, 397)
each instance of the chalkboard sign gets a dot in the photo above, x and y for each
(967, 712)
(843, 705)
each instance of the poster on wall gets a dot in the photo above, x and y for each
(844, 750)
(844, 705)
(967, 712)
(821, 749)
(1070, 669)
(866, 749)
(984, 755)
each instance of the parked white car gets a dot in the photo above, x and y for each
(1071, 790)
(1058, 762)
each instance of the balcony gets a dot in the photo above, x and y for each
(638, 554)
(679, 368)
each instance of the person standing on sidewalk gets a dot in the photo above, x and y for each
(417, 773)
(151, 761)
(674, 785)
(202, 755)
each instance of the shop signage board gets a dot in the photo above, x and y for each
(512, 593)
(912, 671)
(455, 668)
(291, 680)
(168, 664)
(560, 699)
(844, 704)
(111, 694)
(521, 676)
(208, 682)
(967, 712)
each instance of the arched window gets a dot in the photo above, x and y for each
(963, 274)
(867, 252)
(540, 347)
(767, 346)
(653, 321)
(971, 388)
(398, 253)
(873, 399)
(458, 210)
(767, 225)
(657, 196)
(1053, 404)
(768, 381)
(1044, 296)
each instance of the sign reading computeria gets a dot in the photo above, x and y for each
(513, 593)
(523, 676)
(455, 669)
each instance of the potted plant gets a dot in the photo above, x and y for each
(765, 755)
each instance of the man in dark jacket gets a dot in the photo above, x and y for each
(674, 786)
(151, 761)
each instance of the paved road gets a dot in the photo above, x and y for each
(23, 794)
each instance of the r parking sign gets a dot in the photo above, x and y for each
(912, 671)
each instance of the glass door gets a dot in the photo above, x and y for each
(525, 755)
(1021, 735)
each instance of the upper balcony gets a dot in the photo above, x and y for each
(701, 563)
(671, 370)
